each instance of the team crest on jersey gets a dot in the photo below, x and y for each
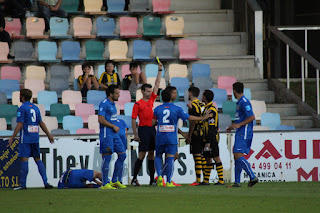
(248, 108)
(18, 114)
(238, 107)
(211, 120)
(101, 109)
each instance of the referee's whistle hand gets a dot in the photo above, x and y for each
(136, 138)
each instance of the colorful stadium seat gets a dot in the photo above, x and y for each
(118, 50)
(106, 27)
(152, 80)
(174, 26)
(181, 84)
(116, 7)
(129, 27)
(226, 82)
(151, 70)
(128, 107)
(8, 111)
(41, 109)
(93, 123)
(8, 86)
(93, 7)
(10, 72)
(246, 93)
(271, 120)
(203, 83)
(85, 131)
(258, 108)
(70, 51)
(84, 110)
(82, 27)
(142, 50)
(4, 52)
(72, 123)
(165, 50)
(161, 6)
(220, 96)
(125, 97)
(188, 50)
(23, 51)
(178, 70)
(3, 98)
(3, 124)
(139, 6)
(60, 132)
(47, 51)
(126, 71)
(47, 98)
(35, 85)
(59, 111)
(94, 50)
(35, 72)
(13, 27)
(152, 26)
(71, 98)
(59, 28)
(200, 70)
(285, 127)
(70, 6)
(224, 121)
(95, 97)
(35, 27)
(50, 122)
(229, 107)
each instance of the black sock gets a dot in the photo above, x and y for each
(151, 169)
(137, 167)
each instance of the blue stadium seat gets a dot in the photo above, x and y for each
(70, 51)
(165, 50)
(126, 119)
(8, 86)
(203, 83)
(271, 120)
(95, 97)
(128, 107)
(59, 28)
(47, 51)
(181, 84)
(151, 70)
(183, 105)
(139, 6)
(105, 27)
(6, 132)
(224, 121)
(220, 96)
(23, 51)
(59, 71)
(285, 127)
(142, 50)
(3, 98)
(200, 70)
(60, 132)
(116, 7)
(246, 93)
(72, 123)
(47, 98)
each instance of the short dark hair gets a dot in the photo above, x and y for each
(108, 62)
(133, 64)
(238, 87)
(166, 96)
(170, 88)
(86, 65)
(208, 94)
(144, 86)
(26, 93)
(111, 89)
(195, 91)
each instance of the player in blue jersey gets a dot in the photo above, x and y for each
(110, 140)
(244, 133)
(123, 133)
(77, 178)
(167, 116)
(28, 122)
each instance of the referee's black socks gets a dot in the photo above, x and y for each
(151, 170)
(137, 167)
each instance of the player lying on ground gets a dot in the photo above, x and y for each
(77, 178)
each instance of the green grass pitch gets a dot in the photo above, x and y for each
(263, 197)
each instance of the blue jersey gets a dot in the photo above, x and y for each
(29, 115)
(109, 111)
(122, 132)
(168, 115)
(244, 111)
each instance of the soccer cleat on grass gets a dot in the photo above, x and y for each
(160, 181)
(253, 182)
(48, 186)
(163, 183)
(235, 185)
(107, 186)
(175, 184)
(170, 184)
(218, 184)
(19, 188)
(204, 184)
(118, 184)
(194, 183)
(135, 183)
(153, 183)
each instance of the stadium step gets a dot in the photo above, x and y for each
(219, 38)
(256, 84)
(195, 5)
(206, 50)
(267, 96)
(228, 61)
(241, 73)
(299, 121)
(283, 109)
(207, 15)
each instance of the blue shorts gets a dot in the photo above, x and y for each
(27, 150)
(124, 141)
(242, 145)
(77, 178)
(111, 144)
(171, 149)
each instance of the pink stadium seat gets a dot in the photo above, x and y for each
(51, 123)
(42, 109)
(4, 51)
(126, 71)
(13, 27)
(8, 72)
(129, 27)
(35, 28)
(71, 98)
(125, 97)
(93, 123)
(82, 27)
(215, 105)
(161, 6)
(3, 124)
(84, 110)
(188, 50)
(35, 85)
(85, 131)
(225, 82)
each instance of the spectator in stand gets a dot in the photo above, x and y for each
(17, 8)
(109, 77)
(49, 7)
(86, 81)
(135, 80)
(4, 35)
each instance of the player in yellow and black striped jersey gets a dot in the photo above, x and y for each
(195, 133)
(211, 139)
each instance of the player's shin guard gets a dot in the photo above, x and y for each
(137, 167)
(246, 166)
(170, 168)
(198, 168)
(118, 168)
(158, 164)
(151, 169)
(105, 168)
(237, 170)
(42, 171)
(219, 168)
(24, 172)
(208, 169)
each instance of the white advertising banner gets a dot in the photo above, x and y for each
(276, 157)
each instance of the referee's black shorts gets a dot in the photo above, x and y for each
(147, 135)
(196, 144)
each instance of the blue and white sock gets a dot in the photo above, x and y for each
(246, 166)
(42, 171)
(118, 168)
(105, 168)
(170, 168)
(23, 173)
(158, 164)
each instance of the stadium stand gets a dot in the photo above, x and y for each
(35, 28)
(59, 28)
(23, 51)
(129, 27)
(181, 84)
(10, 72)
(8, 86)
(8, 111)
(142, 50)
(59, 111)
(13, 27)
(152, 26)
(116, 7)
(71, 98)
(165, 50)
(161, 6)
(47, 98)
(106, 27)
(72, 123)
(271, 120)
(84, 110)
(47, 51)
(139, 6)
(188, 50)
(82, 27)
(3, 98)
(94, 50)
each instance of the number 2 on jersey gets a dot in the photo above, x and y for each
(33, 116)
(166, 114)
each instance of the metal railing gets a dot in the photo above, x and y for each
(305, 57)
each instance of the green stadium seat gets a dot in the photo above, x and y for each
(8, 111)
(59, 110)
(94, 50)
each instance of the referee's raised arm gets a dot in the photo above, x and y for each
(158, 79)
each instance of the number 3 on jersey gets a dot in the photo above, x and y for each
(166, 114)
(33, 116)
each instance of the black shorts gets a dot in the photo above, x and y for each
(147, 135)
(196, 144)
(214, 146)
